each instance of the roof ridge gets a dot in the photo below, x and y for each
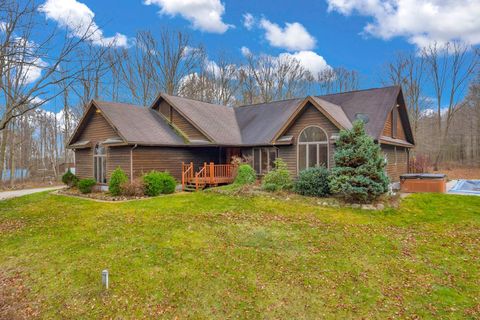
(213, 104)
(120, 103)
(358, 90)
(258, 103)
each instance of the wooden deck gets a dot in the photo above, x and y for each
(210, 174)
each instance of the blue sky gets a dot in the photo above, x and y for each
(355, 34)
(339, 38)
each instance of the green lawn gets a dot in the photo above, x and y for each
(206, 255)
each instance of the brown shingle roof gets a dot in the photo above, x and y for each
(376, 103)
(139, 124)
(248, 125)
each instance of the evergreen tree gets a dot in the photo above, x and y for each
(359, 172)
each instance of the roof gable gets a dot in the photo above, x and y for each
(331, 111)
(375, 103)
(216, 122)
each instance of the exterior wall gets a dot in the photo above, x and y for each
(118, 157)
(84, 163)
(186, 127)
(308, 117)
(170, 159)
(180, 122)
(387, 130)
(97, 129)
(397, 161)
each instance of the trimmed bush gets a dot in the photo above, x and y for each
(133, 188)
(69, 178)
(359, 172)
(158, 183)
(313, 182)
(116, 180)
(245, 175)
(86, 185)
(278, 179)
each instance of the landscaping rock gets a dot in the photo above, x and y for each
(368, 207)
(380, 206)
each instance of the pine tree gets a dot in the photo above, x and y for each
(359, 172)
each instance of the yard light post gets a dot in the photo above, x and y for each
(105, 278)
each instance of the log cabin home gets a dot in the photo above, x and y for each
(187, 137)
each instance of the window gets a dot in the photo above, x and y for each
(100, 164)
(312, 148)
(263, 159)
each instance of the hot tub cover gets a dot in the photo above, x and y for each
(423, 176)
(467, 186)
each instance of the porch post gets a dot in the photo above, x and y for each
(212, 173)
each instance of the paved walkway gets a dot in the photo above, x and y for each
(18, 193)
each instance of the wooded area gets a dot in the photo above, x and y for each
(42, 65)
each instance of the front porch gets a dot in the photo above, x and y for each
(208, 175)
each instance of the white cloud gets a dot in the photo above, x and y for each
(245, 51)
(205, 15)
(78, 19)
(420, 21)
(293, 37)
(248, 21)
(309, 60)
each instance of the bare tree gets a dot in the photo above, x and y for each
(337, 80)
(408, 71)
(216, 82)
(266, 78)
(450, 68)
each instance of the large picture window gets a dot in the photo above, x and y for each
(312, 148)
(263, 159)
(100, 164)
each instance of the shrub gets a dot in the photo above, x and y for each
(133, 188)
(359, 172)
(245, 175)
(270, 187)
(313, 182)
(279, 178)
(69, 178)
(118, 177)
(158, 183)
(86, 185)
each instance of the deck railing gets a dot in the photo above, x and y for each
(210, 174)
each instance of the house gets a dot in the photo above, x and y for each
(175, 130)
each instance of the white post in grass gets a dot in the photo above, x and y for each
(105, 278)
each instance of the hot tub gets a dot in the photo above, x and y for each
(423, 182)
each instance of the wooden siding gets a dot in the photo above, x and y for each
(118, 157)
(84, 163)
(397, 161)
(387, 130)
(168, 159)
(186, 127)
(165, 109)
(97, 129)
(308, 117)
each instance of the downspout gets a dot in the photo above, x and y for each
(131, 161)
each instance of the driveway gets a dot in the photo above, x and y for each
(18, 193)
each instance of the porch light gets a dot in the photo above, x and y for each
(335, 136)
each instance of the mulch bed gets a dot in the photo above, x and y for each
(98, 195)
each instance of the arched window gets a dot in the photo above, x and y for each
(312, 148)
(100, 163)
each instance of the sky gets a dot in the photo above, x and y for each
(356, 34)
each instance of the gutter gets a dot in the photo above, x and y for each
(131, 161)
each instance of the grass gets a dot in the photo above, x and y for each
(206, 255)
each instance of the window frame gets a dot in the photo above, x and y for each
(268, 150)
(102, 164)
(394, 122)
(317, 144)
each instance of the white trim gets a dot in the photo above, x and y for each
(326, 142)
